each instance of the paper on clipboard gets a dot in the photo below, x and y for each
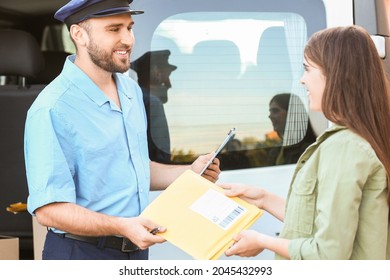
(229, 137)
(199, 218)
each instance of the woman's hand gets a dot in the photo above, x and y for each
(247, 244)
(252, 195)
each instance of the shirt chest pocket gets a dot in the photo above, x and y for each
(301, 206)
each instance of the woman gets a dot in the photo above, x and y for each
(338, 202)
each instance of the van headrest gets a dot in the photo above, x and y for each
(54, 62)
(19, 54)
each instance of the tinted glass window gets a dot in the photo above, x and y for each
(229, 70)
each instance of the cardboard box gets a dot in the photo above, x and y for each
(39, 235)
(9, 248)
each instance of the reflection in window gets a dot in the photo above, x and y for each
(289, 119)
(229, 67)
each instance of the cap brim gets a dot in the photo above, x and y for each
(136, 12)
(116, 12)
(172, 67)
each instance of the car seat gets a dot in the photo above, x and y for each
(21, 59)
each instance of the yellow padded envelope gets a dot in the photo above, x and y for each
(199, 218)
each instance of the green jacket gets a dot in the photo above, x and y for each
(337, 203)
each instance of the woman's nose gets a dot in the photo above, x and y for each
(301, 80)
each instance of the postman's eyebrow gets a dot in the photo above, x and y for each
(118, 25)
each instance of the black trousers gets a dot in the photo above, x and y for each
(60, 248)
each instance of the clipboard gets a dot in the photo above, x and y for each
(229, 137)
(198, 216)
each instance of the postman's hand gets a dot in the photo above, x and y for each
(212, 172)
(142, 232)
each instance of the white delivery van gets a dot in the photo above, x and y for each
(232, 58)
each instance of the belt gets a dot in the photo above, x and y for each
(113, 242)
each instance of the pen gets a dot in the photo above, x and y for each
(155, 230)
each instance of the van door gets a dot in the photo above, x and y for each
(231, 59)
(374, 16)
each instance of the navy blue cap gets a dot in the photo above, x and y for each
(78, 10)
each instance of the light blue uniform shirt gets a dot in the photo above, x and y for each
(81, 148)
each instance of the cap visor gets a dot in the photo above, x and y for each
(115, 12)
(136, 12)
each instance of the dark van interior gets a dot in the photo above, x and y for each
(31, 55)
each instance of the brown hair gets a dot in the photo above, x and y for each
(356, 93)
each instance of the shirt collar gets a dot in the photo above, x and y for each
(334, 128)
(122, 88)
(329, 131)
(81, 80)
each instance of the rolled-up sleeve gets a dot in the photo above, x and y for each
(49, 174)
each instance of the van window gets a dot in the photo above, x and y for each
(56, 38)
(229, 68)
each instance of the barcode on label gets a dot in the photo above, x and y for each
(218, 208)
(225, 223)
